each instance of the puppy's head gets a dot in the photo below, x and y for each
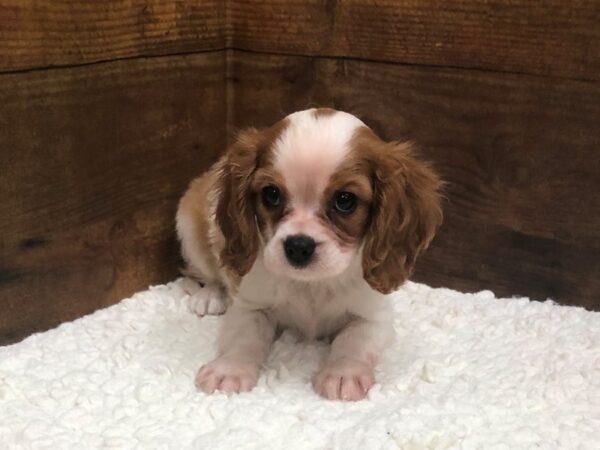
(318, 190)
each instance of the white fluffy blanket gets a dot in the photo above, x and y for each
(467, 371)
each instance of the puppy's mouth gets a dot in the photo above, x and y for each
(308, 273)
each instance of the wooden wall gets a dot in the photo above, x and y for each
(520, 154)
(503, 96)
(108, 109)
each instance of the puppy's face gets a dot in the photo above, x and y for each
(318, 187)
(312, 198)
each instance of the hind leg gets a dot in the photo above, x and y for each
(205, 299)
(207, 294)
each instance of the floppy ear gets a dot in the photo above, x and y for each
(235, 214)
(405, 215)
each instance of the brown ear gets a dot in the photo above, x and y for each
(235, 213)
(406, 213)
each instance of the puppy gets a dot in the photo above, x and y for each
(306, 225)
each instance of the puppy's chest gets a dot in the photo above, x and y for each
(312, 317)
(312, 311)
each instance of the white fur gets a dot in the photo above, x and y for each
(310, 149)
(307, 154)
(331, 259)
(345, 307)
(328, 298)
(205, 300)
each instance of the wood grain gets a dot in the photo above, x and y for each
(520, 155)
(554, 37)
(37, 34)
(94, 160)
(503, 96)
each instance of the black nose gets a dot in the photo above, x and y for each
(299, 249)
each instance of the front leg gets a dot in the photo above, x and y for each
(348, 371)
(244, 343)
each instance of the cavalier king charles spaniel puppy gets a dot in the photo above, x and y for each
(305, 225)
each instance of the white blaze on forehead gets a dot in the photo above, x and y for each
(310, 149)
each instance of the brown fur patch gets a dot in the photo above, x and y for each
(406, 209)
(236, 207)
(268, 217)
(195, 203)
(352, 177)
(324, 112)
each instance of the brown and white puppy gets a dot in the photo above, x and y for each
(306, 225)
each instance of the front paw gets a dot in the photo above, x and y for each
(344, 379)
(227, 375)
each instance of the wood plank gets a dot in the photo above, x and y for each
(552, 37)
(37, 34)
(520, 155)
(94, 160)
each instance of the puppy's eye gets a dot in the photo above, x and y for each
(345, 202)
(271, 196)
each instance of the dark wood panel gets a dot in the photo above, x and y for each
(520, 155)
(65, 32)
(93, 161)
(553, 37)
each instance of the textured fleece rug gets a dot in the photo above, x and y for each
(466, 371)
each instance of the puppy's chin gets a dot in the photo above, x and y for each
(329, 262)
